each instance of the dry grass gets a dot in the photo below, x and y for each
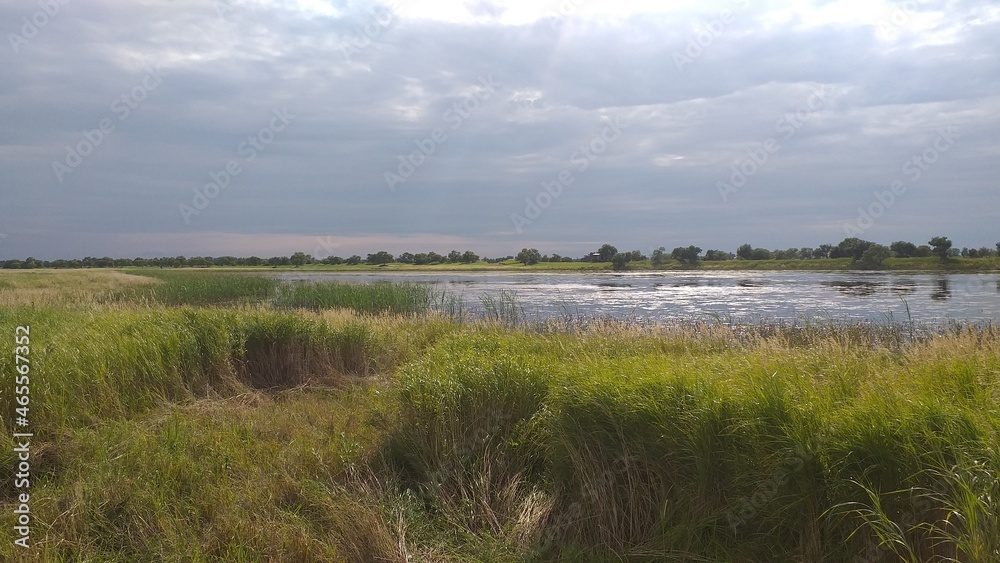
(71, 288)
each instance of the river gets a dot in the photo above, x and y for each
(737, 295)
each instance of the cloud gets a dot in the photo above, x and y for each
(369, 83)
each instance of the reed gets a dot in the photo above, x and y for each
(208, 425)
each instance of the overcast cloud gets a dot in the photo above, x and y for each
(430, 125)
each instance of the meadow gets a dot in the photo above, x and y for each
(222, 416)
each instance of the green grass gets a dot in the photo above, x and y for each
(375, 297)
(245, 432)
(199, 287)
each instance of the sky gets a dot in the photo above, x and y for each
(266, 127)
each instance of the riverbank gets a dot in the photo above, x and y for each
(179, 419)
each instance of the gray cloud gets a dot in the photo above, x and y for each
(367, 85)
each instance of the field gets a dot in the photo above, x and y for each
(220, 416)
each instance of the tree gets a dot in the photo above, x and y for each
(353, 260)
(380, 257)
(923, 251)
(744, 252)
(760, 254)
(636, 256)
(421, 259)
(468, 257)
(940, 246)
(607, 252)
(434, 258)
(688, 255)
(405, 258)
(529, 256)
(874, 256)
(619, 261)
(998, 248)
(659, 256)
(853, 248)
(300, 259)
(903, 249)
(717, 255)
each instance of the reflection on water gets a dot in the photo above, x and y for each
(857, 288)
(942, 290)
(688, 295)
(904, 287)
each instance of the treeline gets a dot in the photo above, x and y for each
(863, 253)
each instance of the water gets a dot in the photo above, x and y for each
(667, 296)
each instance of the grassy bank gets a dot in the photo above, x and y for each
(232, 430)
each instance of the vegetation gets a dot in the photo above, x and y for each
(687, 257)
(231, 429)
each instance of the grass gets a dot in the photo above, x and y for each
(375, 297)
(229, 429)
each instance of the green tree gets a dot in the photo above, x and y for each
(620, 261)
(468, 257)
(380, 257)
(853, 248)
(760, 254)
(940, 246)
(687, 255)
(353, 260)
(717, 255)
(874, 256)
(744, 252)
(607, 252)
(529, 256)
(406, 258)
(659, 256)
(903, 249)
(300, 259)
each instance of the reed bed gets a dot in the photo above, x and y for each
(213, 421)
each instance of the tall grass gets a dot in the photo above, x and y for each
(375, 297)
(647, 448)
(166, 431)
(194, 287)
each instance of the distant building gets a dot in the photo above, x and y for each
(592, 257)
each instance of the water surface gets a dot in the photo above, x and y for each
(876, 296)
